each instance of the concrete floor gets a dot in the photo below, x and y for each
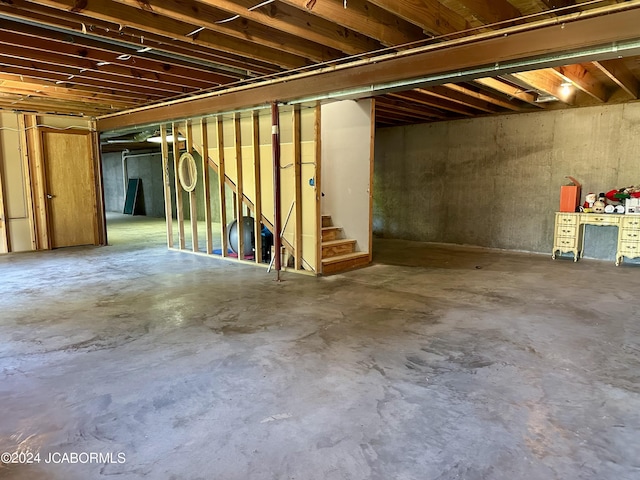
(471, 365)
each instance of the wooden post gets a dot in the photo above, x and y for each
(28, 190)
(257, 201)
(275, 148)
(239, 190)
(5, 241)
(39, 177)
(205, 184)
(179, 211)
(371, 164)
(318, 186)
(101, 219)
(297, 171)
(193, 201)
(166, 179)
(221, 185)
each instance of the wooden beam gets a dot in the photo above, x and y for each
(431, 15)
(5, 238)
(178, 187)
(206, 188)
(293, 21)
(550, 83)
(73, 23)
(421, 96)
(459, 55)
(317, 184)
(255, 131)
(555, 4)
(101, 219)
(193, 200)
(579, 77)
(471, 98)
(221, 185)
(510, 90)
(201, 14)
(297, 179)
(618, 72)
(166, 182)
(39, 179)
(28, 183)
(491, 11)
(239, 193)
(171, 28)
(364, 17)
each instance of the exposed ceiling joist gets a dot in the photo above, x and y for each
(548, 82)
(364, 17)
(618, 72)
(583, 80)
(430, 15)
(491, 11)
(509, 90)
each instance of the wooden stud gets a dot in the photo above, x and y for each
(24, 150)
(168, 208)
(193, 201)
(371, 158)
(317, 129)
(101, 219)
(39, 177)
(256, 177)
(5, 240)
(205, 184)
(239, 190)
(297, 173)
(179, 208)
(221, 185)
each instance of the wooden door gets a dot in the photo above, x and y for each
(71, 195)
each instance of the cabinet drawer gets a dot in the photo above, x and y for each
(566, 219)
(567, 231)
(632, 248)
(630, 235)
(566, 243)
(597, 219)
(631, 223)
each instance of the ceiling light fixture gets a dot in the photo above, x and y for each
(566, 88)
(158, 139)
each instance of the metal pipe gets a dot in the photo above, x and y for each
(125, 170)
(275, 149)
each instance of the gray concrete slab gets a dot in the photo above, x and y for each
(435, 363)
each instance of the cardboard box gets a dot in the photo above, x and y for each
(570, 196)
(632, 206)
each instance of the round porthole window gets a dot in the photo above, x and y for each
(187, 172)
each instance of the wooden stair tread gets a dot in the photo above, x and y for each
(342, 258)
(331, 228)
(339, 241)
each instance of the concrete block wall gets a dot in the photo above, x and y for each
(495, 181)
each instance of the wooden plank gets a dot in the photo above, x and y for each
(549, 82)
(39, 178)
(318, 186)
(501, 47)
(179, 206)
(491, 11)
(238, 196)
(618, 72)
(166, 180)
(297, 179)
(193, 201)
(101, 219)
(221, 186)
(582, 79)
(26, 171)
(205, 184)
(5, 239)
(431, 15)
(255, 130)
(371, 166)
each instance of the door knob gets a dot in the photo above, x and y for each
(50, 196)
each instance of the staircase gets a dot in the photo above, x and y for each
(338, 253)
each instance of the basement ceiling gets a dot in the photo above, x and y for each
(96, 57)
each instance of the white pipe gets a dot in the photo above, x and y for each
(125, 171)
